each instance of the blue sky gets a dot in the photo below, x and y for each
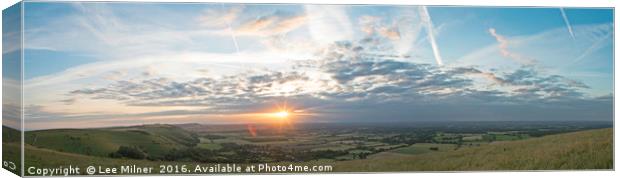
(132, 63)
(11, 70)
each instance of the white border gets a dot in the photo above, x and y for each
(566, 3)
(528, 3)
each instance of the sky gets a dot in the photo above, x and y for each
(111, 64)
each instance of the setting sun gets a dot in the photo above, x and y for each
(281, 114)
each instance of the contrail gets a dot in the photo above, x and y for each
(431, 34)
(596, 45)
(568, 26)
(232, 33)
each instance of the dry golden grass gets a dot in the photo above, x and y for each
(579, 150)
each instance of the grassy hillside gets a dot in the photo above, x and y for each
(11, 153)
(170, 132)
(579, 150)
(40, 157)
(10, 134)
(154, 140)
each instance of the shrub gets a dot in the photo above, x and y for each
(129, 152)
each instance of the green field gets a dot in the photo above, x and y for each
(420, 148)
(210, 146)
(335, 148)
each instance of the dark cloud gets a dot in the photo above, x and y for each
(69, 101)
(88, 91)
(540, 86)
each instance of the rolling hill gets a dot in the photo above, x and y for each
(11, 150)
(154, 140)
(592, 149)
(10, 134)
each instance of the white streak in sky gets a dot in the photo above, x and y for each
(568, 26)
(234, 38)
(232, 33)
(595, 46)
(426, 18)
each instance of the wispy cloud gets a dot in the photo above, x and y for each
(11, 42)
(345, 78)
(504, 49)
(220, 17)
(257, 25)
(99, 28)
(328, 23)
(550, 48)
(271, 25)
(372, 25)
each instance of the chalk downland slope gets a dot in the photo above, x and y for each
(592, 149)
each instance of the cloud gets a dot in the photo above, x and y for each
(593, 40)
(214, 19)
(199, 92)
(330, 73)
(401, 26)
(38, 117)
(346, 71)
(106, 31)
(12, 42)
(367, 74)
(345, 82)
(11, 115)
(256, 25)
(372, 25)
(236, 19)
(368, 23)
(328, 23)
(350, 65)
(219, 17)
(11, 99)
(392, 33)
(271, 25)
(503, 47)
(289, 24)
(473, 71)
(554, 86)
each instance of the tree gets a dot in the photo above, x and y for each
(129, 152)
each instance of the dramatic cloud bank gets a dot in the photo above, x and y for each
(350, 75)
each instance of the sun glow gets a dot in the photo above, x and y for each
(281, 114)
